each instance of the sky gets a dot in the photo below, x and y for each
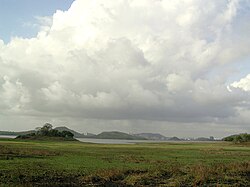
(179, 68)
(21, 18)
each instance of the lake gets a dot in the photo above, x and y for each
(114, 141)
(7, 136)
(117, 141)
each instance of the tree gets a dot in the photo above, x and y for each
(47, 127)
(238, 139)
(54, 133)
(245, 137)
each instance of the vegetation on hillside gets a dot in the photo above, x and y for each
(238, 138)
(47, 132)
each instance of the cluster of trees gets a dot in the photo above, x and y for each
(47, 131)
(238, 138)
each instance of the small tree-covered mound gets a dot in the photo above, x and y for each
(238, 138)
(47, 132)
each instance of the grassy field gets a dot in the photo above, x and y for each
(41, 163)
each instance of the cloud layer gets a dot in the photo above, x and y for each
(166, 61)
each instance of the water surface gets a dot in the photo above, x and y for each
(7, 136)
(114, 141)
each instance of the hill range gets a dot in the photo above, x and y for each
(109, 135)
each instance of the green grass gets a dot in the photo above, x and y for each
(153, 164)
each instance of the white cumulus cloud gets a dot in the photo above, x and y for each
(129, 60)
(243, 83)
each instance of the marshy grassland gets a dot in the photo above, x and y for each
(51, 163)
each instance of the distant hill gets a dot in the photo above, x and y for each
(11, 133)
(118, 135)
(8, 133)
(106, 135)
(152, 136)
(89, 135)
(203, 139)
(174, 139)
(103, 135)
(76, 134)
